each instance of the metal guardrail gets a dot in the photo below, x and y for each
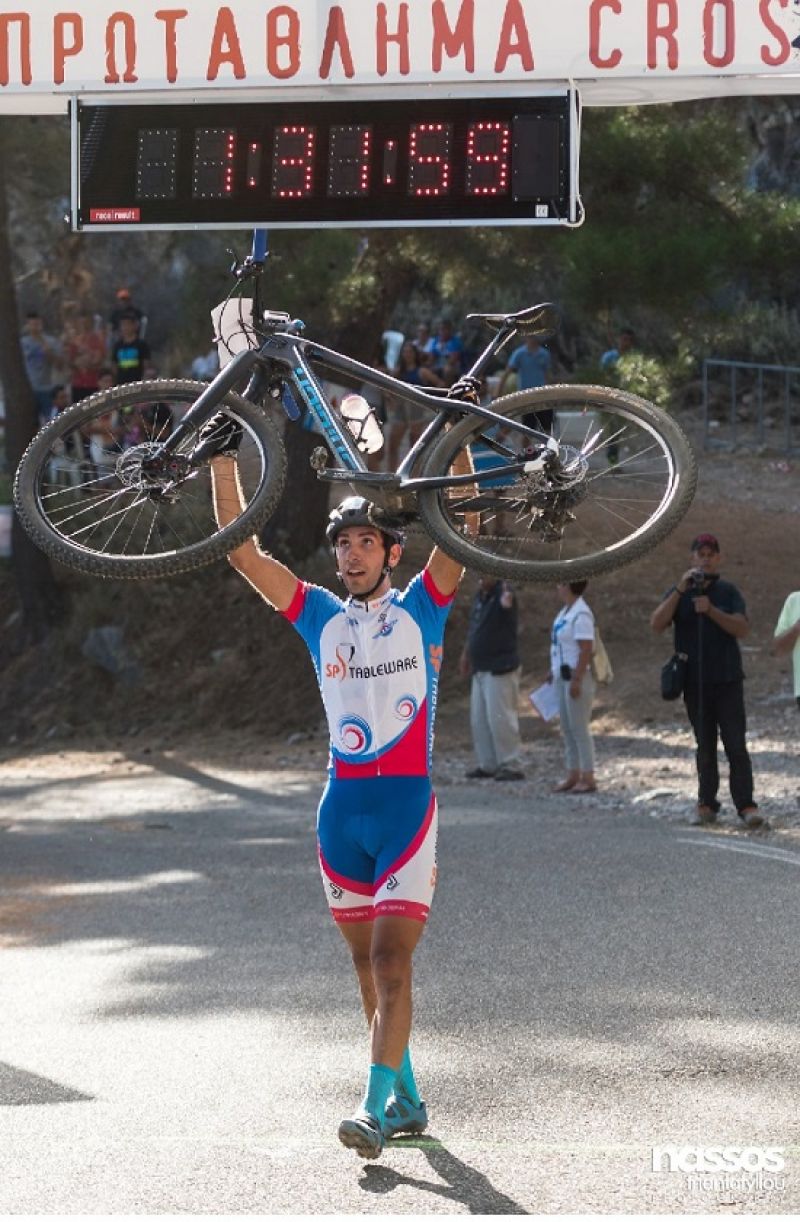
(756, 395)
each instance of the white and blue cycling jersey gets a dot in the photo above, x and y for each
(377, 666)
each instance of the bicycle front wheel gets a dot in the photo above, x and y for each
(85, 496)
(623, 478)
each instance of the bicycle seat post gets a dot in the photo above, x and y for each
(497, 341)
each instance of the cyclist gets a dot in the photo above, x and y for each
(377, 655)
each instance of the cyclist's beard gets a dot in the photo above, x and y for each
(363, 596)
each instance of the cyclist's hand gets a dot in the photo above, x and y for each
(466, 389)
(221, 435)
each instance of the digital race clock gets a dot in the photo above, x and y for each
(466, 161)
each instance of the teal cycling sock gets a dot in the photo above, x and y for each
(406, 1083)
(380, 1085)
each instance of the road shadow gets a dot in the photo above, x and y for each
(183, 770)
(462, 1183)
(19, 1088)
(209, 896)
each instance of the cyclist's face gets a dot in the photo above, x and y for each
(360, 555)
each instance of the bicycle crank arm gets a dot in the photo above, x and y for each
(374, 479)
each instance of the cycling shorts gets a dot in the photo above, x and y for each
(377, 847)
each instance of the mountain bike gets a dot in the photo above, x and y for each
(566, 481)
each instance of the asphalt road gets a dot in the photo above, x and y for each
(180, 1031)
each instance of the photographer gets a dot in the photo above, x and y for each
(709, 618)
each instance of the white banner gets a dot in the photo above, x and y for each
(131, 46)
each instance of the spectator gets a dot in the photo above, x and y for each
(65, 467)
(423, 340)
(531, 363)
(103, 436)
(206, 367)
(787, 636)
(445, 342)
(709, 618)
(60, 401)
(125, 308)
(609, 362)
(401, 417)
(451, 369)
(130, 353)
(105, 378)
(626, 341)
(85, 352)
(41, 353)
(571, 645)
(491, 659)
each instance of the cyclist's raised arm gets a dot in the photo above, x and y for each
(445, 571)
(273, 581)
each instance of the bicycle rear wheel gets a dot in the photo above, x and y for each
(624, 477)
(84, 498)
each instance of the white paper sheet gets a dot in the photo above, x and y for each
(545, 701)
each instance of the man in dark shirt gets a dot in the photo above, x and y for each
(130, 353)
(709, 618)
(491, 658)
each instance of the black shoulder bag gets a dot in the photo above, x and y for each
(673, 676)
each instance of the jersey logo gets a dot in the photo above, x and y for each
(435, 654)
(344, 654)
(391, 883)
(336, 892)
(385, 628)
(355, 735)
(405, 708)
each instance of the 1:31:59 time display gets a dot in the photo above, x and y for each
(293, 164)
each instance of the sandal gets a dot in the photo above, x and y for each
(582, 787)
(564, 787)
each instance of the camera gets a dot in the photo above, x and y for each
(697, 581)
(566, 670)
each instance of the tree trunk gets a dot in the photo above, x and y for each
(39, 595)
(297, 529)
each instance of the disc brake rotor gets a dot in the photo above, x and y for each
(141, 469)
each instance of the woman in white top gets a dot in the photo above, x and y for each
(571, 646)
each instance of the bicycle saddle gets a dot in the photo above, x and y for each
(540, 320)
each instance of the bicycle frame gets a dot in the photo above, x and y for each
(293, 355)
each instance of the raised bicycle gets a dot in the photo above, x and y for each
(568, 481)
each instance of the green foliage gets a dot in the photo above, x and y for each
(762, 332)
(642, 375)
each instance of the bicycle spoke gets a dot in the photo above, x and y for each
(133, 528)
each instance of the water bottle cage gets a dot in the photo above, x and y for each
(362, 423)
(357, 426)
